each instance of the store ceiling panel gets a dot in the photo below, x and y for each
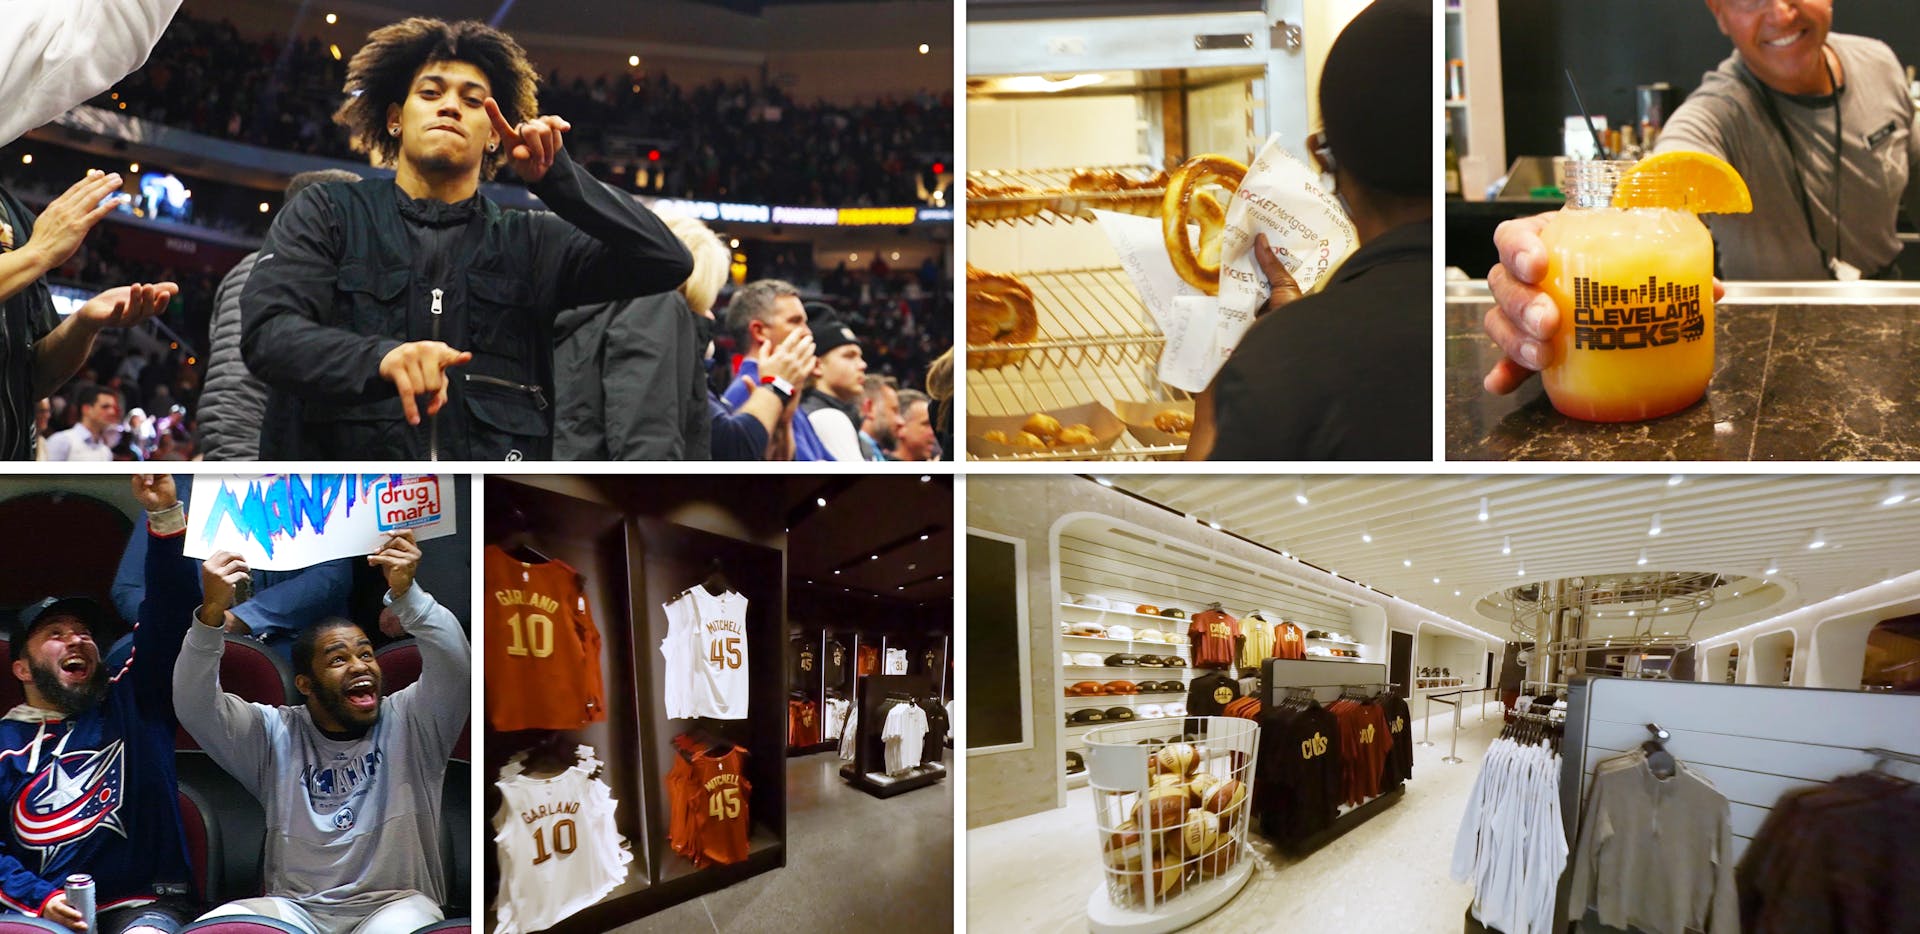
(887, 536)
(1398, 533)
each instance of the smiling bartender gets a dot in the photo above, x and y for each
(1791, 97)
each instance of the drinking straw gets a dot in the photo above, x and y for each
(1598, 146)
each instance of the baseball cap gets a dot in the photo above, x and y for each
(1176, 709)
(1119, 713)
(1091, 659)
(829, 333)
(1075, 763)
(1150, 712)
(1123, 661)
(1120, 632)
(1149, 635)
(1121, 687)
(1151, 661)
(1089, 715)
(86, 609)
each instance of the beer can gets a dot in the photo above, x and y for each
(80, 896)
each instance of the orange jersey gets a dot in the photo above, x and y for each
(543, 651)
(1288, 642)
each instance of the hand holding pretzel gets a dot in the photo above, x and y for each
(532, 145)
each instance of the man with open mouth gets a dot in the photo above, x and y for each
(351, 780)
(86, 764)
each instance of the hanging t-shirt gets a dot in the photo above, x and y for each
(937, 727)
(556, 843)
(1208, 696)
(1289, 641)
(833, 717)
(1399, 767)
(1218, 634)
(543, 650)
(1259, 635)
(1297, 789)
(904, 733)
(706, 655)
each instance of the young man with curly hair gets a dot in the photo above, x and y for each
(412, 318)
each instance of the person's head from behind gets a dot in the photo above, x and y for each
(763, 313)
(711, 262)
(915, 441)
(1376, 113)
(99, 406)
(306, 180)
(1783, 43)
(55, 657)
(334, 669)
(880, 410)
(416, 95)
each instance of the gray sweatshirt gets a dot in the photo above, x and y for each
(1655, 855)
(353, 825)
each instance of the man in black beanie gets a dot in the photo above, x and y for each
(832, 400)
(1347, 373)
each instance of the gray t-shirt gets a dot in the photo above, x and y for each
(351, 825)
(1880, 150)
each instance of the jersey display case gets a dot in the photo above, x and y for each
(630, 640)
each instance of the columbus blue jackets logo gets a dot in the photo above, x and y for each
(76, 794)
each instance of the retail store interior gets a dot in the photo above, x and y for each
(731, 797)
(1522, 644)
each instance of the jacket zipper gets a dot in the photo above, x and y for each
(539, 396)
(433, 421)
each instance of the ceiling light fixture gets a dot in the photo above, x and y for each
(1506, 544)
(1817, 540)
(1213, 525)
(1483, 509)
(1436, 580)
(1103, 481)
(1676, 479)
(1365, 535)
(1773, 567)
(1521, 571)
(1300, 493)
(1643, 557)
(1896, 492)
(820, 501)
(1653, 528)
(1406, 562)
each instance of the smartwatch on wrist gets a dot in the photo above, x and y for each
(780, 387)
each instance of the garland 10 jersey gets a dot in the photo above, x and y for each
(706, 655)
(557, 844)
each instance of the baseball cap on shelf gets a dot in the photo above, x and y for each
(1119, 713)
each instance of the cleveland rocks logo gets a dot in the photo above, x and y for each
(76, 794)
(1612, 317)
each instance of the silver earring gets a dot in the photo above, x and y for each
(492, 146)
(393, 131)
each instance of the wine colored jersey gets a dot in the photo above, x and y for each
(1217, 634)
(543, 650)
(1288, 641)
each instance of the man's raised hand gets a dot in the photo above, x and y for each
(532, 145)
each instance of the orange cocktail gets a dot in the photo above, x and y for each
(1635, 290)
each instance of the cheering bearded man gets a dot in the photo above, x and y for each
(367, 296)
(351, 780)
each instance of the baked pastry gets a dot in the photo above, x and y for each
(1043, 425)
(1111, 190)
(1187, 201)
(1174, 422)
(988, 202)
(1028, 440)
(999, 311)
(1076, 436)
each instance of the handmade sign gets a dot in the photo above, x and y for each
(284, 522)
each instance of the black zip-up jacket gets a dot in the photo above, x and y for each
(351, 270)
(24, 320)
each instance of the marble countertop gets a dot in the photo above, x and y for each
(1802, 372)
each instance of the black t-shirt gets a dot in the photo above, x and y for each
(1297, 789)
(24, 319)
(1399, 767)
(1208, 696)
(1345, 374)
(937, 727)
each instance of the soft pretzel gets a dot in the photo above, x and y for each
(1111, 190)
(1186, 202)
(999, 311)
(1002, 202)
(1173, 422)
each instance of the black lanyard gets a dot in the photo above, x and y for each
(1833, 259)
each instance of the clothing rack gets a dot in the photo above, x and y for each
(1326, 680)
(1754, 743)
(864, 773)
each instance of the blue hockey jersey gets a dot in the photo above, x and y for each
(96, 794)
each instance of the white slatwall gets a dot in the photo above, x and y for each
(1125, 565)
(1753, 743)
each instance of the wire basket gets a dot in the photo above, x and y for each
(1172, 813)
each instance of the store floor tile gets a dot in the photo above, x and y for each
(1034, 873)
(854, 863)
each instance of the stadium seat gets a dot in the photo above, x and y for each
(234, 868)
(87, 533)
(203, 841)
(241, 924)
(449, 926)
(251, 673)
(12, 692)
(399, 664)
(456, 808)
(21, 924)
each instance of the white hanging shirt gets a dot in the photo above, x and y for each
(558, 847)
(706, 655)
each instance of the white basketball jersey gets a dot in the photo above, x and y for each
(711, 655)
(557, 844)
